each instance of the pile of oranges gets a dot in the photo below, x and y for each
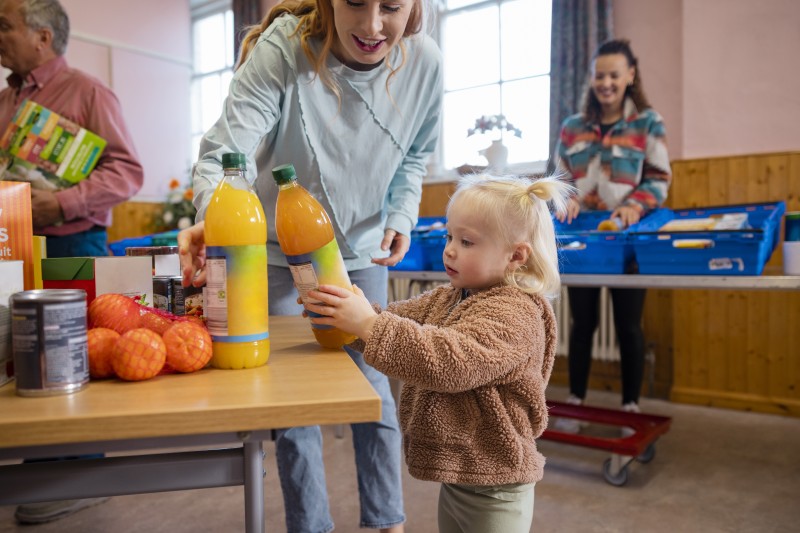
(134, 343)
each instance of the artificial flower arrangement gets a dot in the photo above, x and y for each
(177, 212)
(489, 123)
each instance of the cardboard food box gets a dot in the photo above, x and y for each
(16, 228)
(11, 274)
(47, 150)
(129, 276)
(39, 253)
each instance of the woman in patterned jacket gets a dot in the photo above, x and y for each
(615, 154)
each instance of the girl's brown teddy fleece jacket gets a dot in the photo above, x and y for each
(474, 374)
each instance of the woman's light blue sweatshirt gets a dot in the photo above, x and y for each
(363, 158)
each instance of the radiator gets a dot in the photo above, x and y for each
(604, 342)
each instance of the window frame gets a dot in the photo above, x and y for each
(442, 13)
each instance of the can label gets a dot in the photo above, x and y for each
(792, 230)
(162, 293)
(50, 347)
(186, 301)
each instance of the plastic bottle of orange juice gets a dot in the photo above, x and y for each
(236, 271)
(305, 234)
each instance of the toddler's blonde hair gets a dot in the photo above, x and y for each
(516, 208)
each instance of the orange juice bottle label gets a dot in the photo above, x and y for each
(323, 266)
(235, 306)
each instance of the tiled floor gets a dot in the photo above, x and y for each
(715, 471)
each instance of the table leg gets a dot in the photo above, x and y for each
(253, 486)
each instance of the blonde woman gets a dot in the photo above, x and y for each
(350, 93)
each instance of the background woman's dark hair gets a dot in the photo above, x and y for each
(591, 106)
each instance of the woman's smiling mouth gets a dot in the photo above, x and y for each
(368, 45)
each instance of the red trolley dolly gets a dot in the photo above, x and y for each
(639, 446)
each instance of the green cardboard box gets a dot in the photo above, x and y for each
(129, 276)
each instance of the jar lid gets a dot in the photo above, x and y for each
(151, 250)
(234, 160)
(284, 173)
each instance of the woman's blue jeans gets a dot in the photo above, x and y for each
(377, 444)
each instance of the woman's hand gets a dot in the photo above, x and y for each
(628, 214)
(571, 211)
(397, 244)
(351, 312)
(192, 253)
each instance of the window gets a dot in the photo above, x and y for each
(212, 45)
(496, 61)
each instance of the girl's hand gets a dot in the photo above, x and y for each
(572, 210)
(628, 214)
(351, 312)
(192, 253)
(397, 244)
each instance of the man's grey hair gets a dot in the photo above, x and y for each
(48, 14)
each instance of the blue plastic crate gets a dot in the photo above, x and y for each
(418, 257)
(167, 238)
(118, 247)
(433, 243)
(584, 250)
(740, 252)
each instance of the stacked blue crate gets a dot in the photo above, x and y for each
(582, 249)
(427, 245)
(742, 252)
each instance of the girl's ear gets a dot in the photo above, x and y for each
(519, 255)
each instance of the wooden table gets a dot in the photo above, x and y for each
(302, 384)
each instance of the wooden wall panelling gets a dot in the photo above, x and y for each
(747, 353)
(132, 219)
(435, 197)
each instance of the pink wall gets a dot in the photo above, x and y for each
(655, 30)
(724, 71)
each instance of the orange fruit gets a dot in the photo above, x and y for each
(155, 322)
(139, 354)
(101, 343)
(188, 347)
(114, 311)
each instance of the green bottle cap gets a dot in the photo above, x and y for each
(284, 173)
(234, 160)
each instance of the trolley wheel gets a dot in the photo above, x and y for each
(648, 454)
(617, 480)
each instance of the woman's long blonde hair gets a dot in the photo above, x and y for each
(517, 210)
(317, 23)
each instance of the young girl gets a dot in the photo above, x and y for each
(475, 355)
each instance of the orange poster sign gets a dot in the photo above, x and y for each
(16, 227)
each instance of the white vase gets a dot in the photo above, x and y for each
(496, 154)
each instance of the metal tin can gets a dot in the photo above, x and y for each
(162, 293)
(186, 301)
(792, 226)
(48, 338)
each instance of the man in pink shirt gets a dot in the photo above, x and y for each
(33, 39)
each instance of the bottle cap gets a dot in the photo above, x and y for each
(234, 160)
(284, 173)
